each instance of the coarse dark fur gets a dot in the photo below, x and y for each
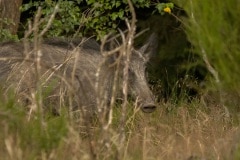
(73, 71)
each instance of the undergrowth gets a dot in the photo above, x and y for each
(189, 131)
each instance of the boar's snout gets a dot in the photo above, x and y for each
(148, 107)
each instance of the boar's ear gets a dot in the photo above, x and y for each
(149, 47)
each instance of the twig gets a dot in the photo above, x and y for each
(50, 21)
(126, 52)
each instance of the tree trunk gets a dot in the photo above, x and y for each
(10, 15)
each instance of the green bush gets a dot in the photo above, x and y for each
(213, 27)
(90, 17)
(65, 23)
(32, 134)
(4, 33)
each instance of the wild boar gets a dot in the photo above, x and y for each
(76, 69)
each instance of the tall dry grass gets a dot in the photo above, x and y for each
(191, 131)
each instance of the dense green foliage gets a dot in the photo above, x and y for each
(88, 17)
(67, 20)
(4, 33)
